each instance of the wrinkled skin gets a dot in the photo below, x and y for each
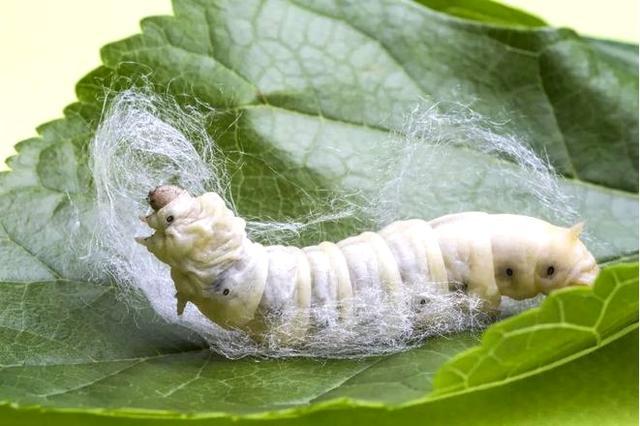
(235, 282)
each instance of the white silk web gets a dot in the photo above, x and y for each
(145, 139)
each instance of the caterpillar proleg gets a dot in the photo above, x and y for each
(238, 283)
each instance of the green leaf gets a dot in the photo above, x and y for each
(303, 89)
(567, 325)
(485, 11)
(595, 385)
(73, 344)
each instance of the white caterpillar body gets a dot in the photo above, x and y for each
(238, 283)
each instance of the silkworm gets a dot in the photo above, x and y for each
(238, 283)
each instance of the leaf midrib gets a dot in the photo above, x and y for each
(91, 362)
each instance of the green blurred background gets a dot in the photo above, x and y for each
(47, 46)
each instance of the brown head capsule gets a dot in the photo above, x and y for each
(162, 195)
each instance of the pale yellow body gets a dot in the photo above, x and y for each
(238, 283)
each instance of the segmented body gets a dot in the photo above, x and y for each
(239, 283)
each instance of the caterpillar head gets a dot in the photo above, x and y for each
(172, 206)
(209, 253)
(173, 210)
(194, 234)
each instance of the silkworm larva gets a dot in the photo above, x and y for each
(237, 283)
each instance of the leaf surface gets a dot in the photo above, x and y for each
(157, 371)
(307, 94)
